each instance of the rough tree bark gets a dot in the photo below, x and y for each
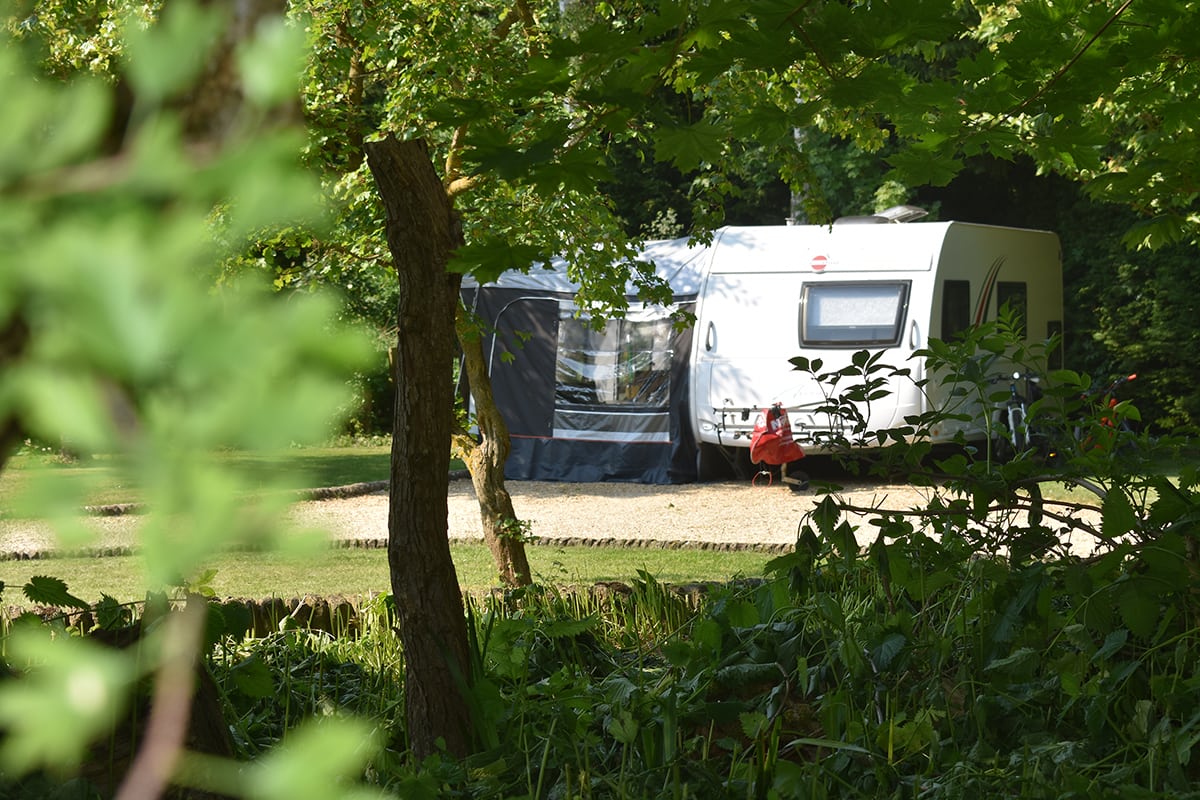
(422, 232)
(485, 461)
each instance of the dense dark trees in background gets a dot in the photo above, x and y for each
(1133, 312)
(1126, 310)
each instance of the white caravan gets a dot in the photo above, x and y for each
(773, 293)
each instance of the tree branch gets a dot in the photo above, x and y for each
(812, 46)
(930, 513)
(454, 160)
(454, 180)
(461, 185)
(356, 81)
(506, 23)
(167, 729)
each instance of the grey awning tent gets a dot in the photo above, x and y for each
(588, 405)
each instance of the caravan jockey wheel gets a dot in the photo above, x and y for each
(764, 475)
(796, 481)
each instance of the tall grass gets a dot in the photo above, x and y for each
(830, 678)
(837, 674)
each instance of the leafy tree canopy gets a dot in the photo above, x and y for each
(528, 108)
(1101, 93)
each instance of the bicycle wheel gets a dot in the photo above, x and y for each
(1002, 448)
(1018, 432)
(1010, 439)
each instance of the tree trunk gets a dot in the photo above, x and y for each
(422, 231)
(485, 461)
(14, 338)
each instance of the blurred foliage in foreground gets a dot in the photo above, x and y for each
(113, 340)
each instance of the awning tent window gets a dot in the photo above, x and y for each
(625, 363)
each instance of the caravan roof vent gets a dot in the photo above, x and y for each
(893, 214)
(866, 220)
(902, 213)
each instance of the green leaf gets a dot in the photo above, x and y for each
(166, 57)
(253, 678)
(829, 744)
(1171, 502)
(568, 628)
(1165, 559)
(1161, 231)
(886, 651)
(826, 515)
(678, 653)
(487, 259)
(52, 591)
(315, 762)
(1113, 643)
(237, 619)
(576, 171)
(271, 62)
(623, 727)
(1140, 607)
(691, 146)
(138, 345)
(454, 110)
(749, 675)
(73, 695)
(767, 123)
(60, 404)
(110, 614)
(707, 633)
(741, 614)
(754, 723)
(790, 779)
(1117, 515)
(1077, 634)
(77, 123)
(1019, 661)
(921, 166)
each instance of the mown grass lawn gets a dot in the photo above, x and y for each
(358, 573)
(108, 482)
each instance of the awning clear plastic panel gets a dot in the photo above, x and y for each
(625, 363)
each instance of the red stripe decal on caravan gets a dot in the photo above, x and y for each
(989, 283)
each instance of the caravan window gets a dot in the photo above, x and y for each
(956, 308)
(627, 363)
(852, 314)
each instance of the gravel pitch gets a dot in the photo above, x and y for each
(731, 515)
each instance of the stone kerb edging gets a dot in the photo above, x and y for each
(380, 544)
